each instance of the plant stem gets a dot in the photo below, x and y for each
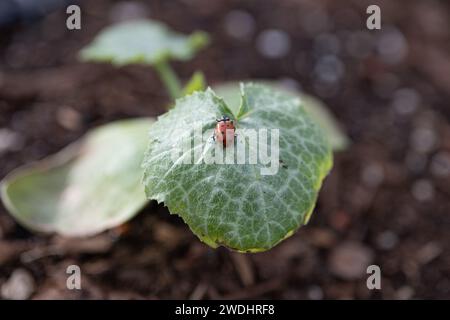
(169, 78)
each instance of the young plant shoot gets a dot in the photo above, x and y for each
(146, 42)
(241, 166)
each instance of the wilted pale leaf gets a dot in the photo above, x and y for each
(235, 205)
(92, 185)
(142, 41)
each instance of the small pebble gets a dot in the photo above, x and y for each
(423, 140)
(315, 293)
(10, 140)
(405, 293)
(239, 24)
(415, 162)
(128, 10)
(428, 252)
(372, 175)
(329, 69)
(387, 240)
(69, 118)
(19, 286)
(423, 190)
(440, 164)
(406, 101)
(273, 43)
(350, 260)
(392, 46)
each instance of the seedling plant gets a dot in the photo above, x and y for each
(106, 177)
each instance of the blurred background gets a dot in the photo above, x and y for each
(386, 202)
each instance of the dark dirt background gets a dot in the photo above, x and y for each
(386, 201)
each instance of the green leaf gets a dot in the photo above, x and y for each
(91, 185)
(196, 83)
(235, 205)
(339, 141)
(144, 42)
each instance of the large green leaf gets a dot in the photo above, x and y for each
(229, 91)
(91, 185)
(142, 41)
(236, 205)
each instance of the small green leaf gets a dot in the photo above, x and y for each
(339, 141)
(91, 185)
(143, 42)
(235, 205)
(196, 83)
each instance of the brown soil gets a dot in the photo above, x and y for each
(386, 201)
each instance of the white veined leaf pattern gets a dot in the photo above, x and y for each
(234, 205)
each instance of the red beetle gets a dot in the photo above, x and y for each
(224, 131)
